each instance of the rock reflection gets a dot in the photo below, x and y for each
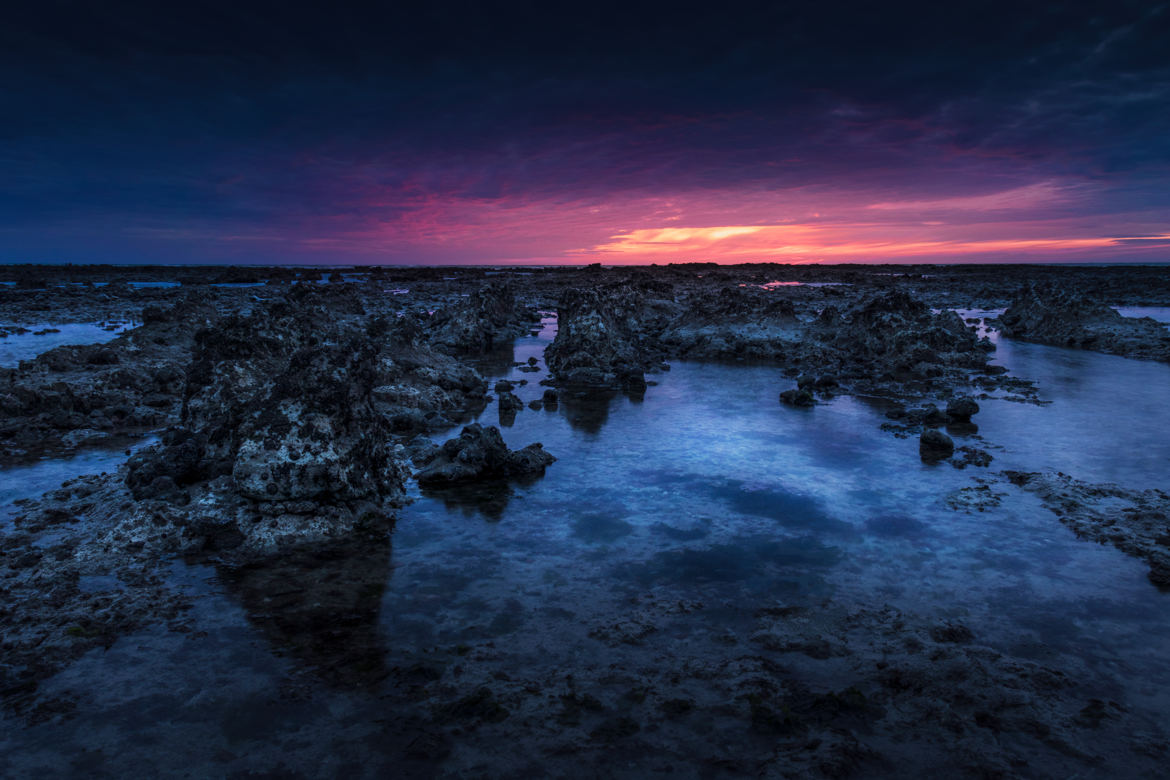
(586, 409)
(320, 607)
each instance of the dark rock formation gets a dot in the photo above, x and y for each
(599, 340)
(479, 453)
(798, 397)
(934, 445)
(735, 323)
(962, 409)
(488, 318)
(1047, 314)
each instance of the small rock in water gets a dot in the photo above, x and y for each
(962, 408)
(934, 445)
(802, 397)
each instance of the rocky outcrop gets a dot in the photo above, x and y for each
(75, 395)
(490, 317)
(599, 338)
(479, 454)
(1046, 314)
(735, 323)
(892, 339)
(289, 427)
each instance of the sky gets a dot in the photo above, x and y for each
(540, 133)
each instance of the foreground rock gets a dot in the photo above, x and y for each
(290, 427)
(478, 454)
(1047, 314)
(1135, 522)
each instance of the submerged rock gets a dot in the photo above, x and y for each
(1136, 522)
(479, 453)
(799, 397)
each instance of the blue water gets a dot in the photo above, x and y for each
(25, 346)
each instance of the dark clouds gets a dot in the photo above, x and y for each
(135, 129)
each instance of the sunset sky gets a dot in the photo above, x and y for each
(575, 133)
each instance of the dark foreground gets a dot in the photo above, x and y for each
(685, 520)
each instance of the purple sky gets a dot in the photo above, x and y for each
(272, 133)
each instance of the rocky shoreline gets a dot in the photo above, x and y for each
(294, 413)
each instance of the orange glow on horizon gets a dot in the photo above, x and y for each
(812, 243)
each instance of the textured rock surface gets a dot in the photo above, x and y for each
(1047, 314)
(489, 317)
(599, 339)
(479, 453)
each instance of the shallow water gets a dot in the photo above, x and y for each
(707, 490)
(1159, 313)
(33, 479)
(25, 346)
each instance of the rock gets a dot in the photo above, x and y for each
(934, 445)
(509, 402)
(801, 397)
(962, 409)
(597, 341)
(1064, 317)
(504, 386)
(734, 323)
(932, 416)
(479, 453)
(488, 318)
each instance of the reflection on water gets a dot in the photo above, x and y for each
(320, 607)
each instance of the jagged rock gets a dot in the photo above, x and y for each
(479, 453)
(490, 317)
(597, 341)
